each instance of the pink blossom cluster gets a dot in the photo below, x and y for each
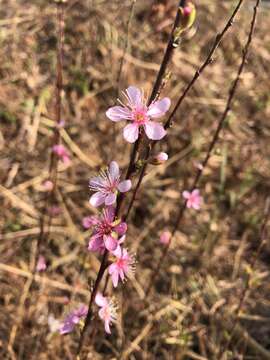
(107, 230)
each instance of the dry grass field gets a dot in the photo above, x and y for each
(211, 298)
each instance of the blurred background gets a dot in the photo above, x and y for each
(191, 309)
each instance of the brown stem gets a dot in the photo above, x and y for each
(232, 92)
(56, 137)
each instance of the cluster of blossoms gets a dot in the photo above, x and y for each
(108, 232)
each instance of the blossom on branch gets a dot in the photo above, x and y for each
(139, 114)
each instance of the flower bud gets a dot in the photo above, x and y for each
(159, 159)
(188, 16)
(165, 237)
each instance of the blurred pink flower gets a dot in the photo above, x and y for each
(106, 231)
(54, 210)
(107, 313)
(106, 186)
(62, 153)
(165, 237)
(193, 198)
(41, 263)
(136, 111)
(72, 319)
(159, 158)
(123, 266)
(48, 185)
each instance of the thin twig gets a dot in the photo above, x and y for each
(169, 122)
(215, 138)
(56, 138)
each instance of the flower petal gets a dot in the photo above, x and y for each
(131, 133)
(121, 228)
(134, 96)
(124, 186)
(186, 194)
(95, 243)
(118, 113)
(97, 182)
(108, 214)
(115, 278)
(110, 199)
(97, 199)
(100, 300)
(107, 326)
(110, 242)
(159, 108)
(154, 130)
(114, 170)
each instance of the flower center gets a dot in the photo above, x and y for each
(140, 117)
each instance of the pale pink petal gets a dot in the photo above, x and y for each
(89, 221)
(95, 243)
(113, 267)
(131, 133)
(114, 170)
(196, 205)
(134, 96)
(159, 108)
(107, 326)
(124, 186)
(110, 199)
(97, 182)
(154, 130)
(186, 194)
(109, 214)
(115, 278)
(101, 300)
(121, 228)
(117, 252)
(189, 204)
(196, 192)
(118, 113)
(97, 199)
(110, 242)
(66, 159)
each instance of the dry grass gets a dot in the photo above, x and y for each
(191, 308)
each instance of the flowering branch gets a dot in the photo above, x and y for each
(215, 138)
(131, 97)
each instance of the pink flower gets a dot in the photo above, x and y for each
(107, 185)
(165, 237)
(106, 231)
(54, 210)
(123, 266)
(41, 264)
(107, 313)
(140, 115)
(193, 199)
(62, 153)
(73, 319)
